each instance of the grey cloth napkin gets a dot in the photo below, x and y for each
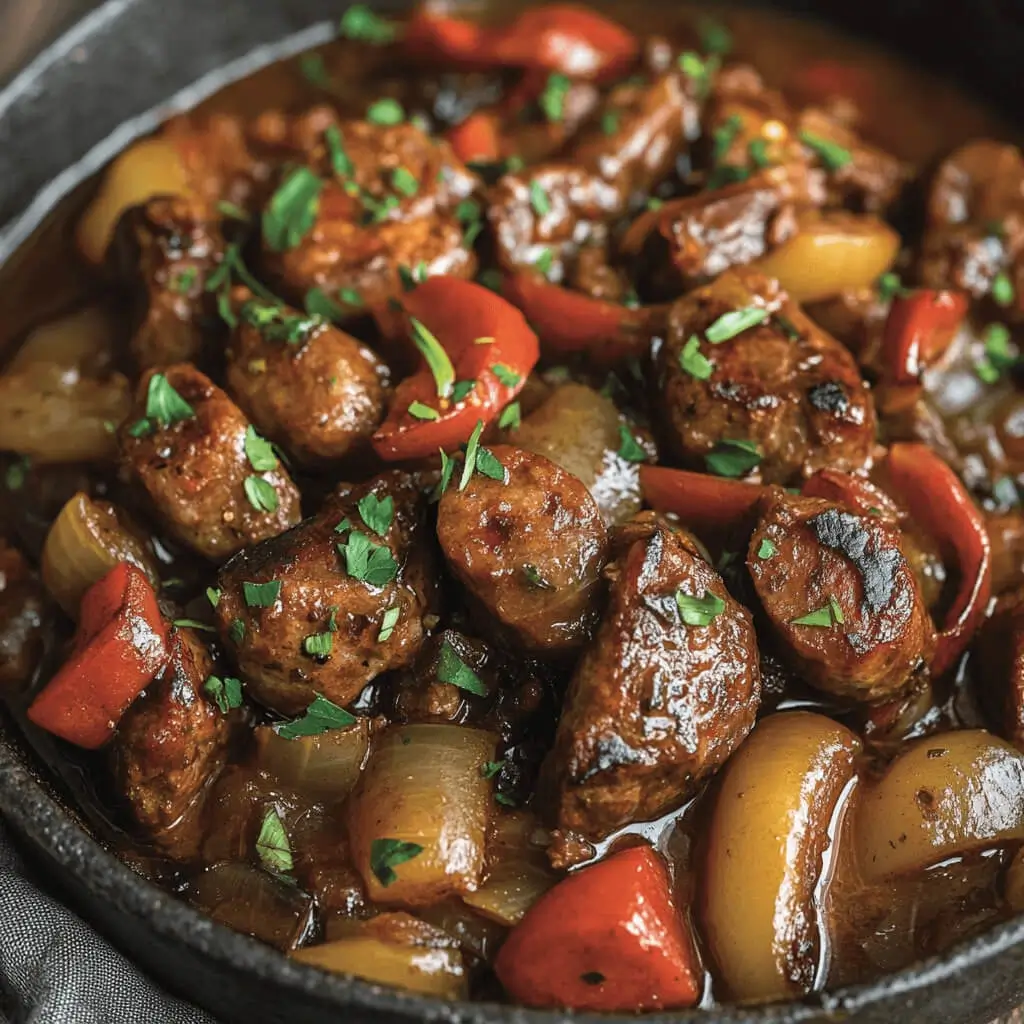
(54, 969)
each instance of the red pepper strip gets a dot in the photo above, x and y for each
(569, 322)
(457, 313)
(940, 504)
(606, 938)
(920, 327)
(566, 38)
(555, 37)
(478, 138)
(702, 501)
(120, 646)
(853, 491)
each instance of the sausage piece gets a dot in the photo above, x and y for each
(23, 616)
(656, 704)
(1000, 653)
(195, 470)
(320, 397)
(163, 250)
(172, 742)
(529, 548)
(784, 384)
(278, 594)
(866, 629)
(393, 206)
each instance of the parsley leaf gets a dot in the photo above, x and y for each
(261, 595)
(539, 199)
(321, 716)
(461, 388)
(488, 464)
(183, 281)
(213, 596)
(404, 181)
(629, 448)
(418, 410)
(1002, 290)
(319, 303)
(385, 112)
(535, 578)
(388, 623)
(275, 323)
(505, 375)
(447, 469)
(259, 451)
(610, 122)
(822, 617)
(693, 361)
(766, 549)
(511, 417)
(236, 631)
(452, 669)
(292, 210)
(728, 325)
(318, 645)
(272, 845)
(831, 154)
(205, 627)
(733, 458)
(472, 445)
(387, 854)
(437, 359)
(368, 562)
(226, 693)
(699, 611)
(552, 99)
(715, 38)
(314, 70)
(377, 513)
(362, 24)
(261, 494)
(164, 405)
(489, 769)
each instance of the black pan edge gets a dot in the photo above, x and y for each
(62, 103)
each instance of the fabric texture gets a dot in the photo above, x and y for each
(54, 969)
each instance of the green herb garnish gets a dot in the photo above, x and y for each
(831, 154)
(314, 70)
(693, 361)
(261, 494)
(183, 281)
(318, 645)
(825, 616)
(505, 375)
(629, 448)
(292, 210)
(452, 669)
(728, 325)
(699, 611)
(272, 846)
(511, 417)
(1002, 290)
(236, 631)
(404, 181)
(387, 624)
(213, 596)
(261, 595)
(385, 112)
(259, 451)
(387, 854)
(733, 458)
(226, 693)
(757, 149)
(461, 389)
(535, 578)
(610, 122)
(714, 37)
(321, 716)
(436, 357)
(377, 513)
(367, 561)
(418, 410)
(766, 549)
(552, 99)
(539, 199)
(203, 627)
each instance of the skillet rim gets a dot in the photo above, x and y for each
(30, 805)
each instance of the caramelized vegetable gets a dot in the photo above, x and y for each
(767, 835)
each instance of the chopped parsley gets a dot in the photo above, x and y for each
(318, 645)
(699, 611)
(654, 203)
(232, 211)
(314, 70)
(385, 112)
(437, 359)
(204, 627)
(420, 411)
(14, 475)
(261, 494)
(505, 375)
(259, 451)
(275, 323)
(321, 716)
(404, 181)
(788, 328)
(479, 460)
(272, 846)
(377, 513)
(461, 389)
(183, 281)
(693, 361)
(889, 286)
(1002, 290)
(319, 304)
(724, 136)
(610, 122)
(261, 595)
(766, 549)
(362, 24)
(368, 561)
(629, 448)
(387, 854)
(226, 693)
(825, 616)
(757, 150)
(452, 669)
(164, 407)
(535, 578)
(341, 165)
(388, 623)
(544, 261)
(511, 417)
(488, 465)
(490, 769)
(729, 325)
(715, 38)
(831, 154)
(292, 210)
(539, 199)
(733, 458)
(213, 596)
(236, 631)
(552, 99)
(996, 338)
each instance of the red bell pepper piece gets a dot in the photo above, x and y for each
(940, 504)
(853, 491)
(607, 938)
(488, 342)
(920, 327)
(119, 648)
(478, 138)
(702, 501)
(556, 37)
(570, 322)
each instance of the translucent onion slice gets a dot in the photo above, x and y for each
(324, 767)
(424, 786)
(86, 541)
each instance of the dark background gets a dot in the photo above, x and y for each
(25, 25)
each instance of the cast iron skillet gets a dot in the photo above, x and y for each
(114, 77)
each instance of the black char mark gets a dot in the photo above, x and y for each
(843, 532)
(829, 396)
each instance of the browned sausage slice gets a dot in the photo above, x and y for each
(665, 693)
(529, 547)
(841, 596)
(193, 462)
(364, 602)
